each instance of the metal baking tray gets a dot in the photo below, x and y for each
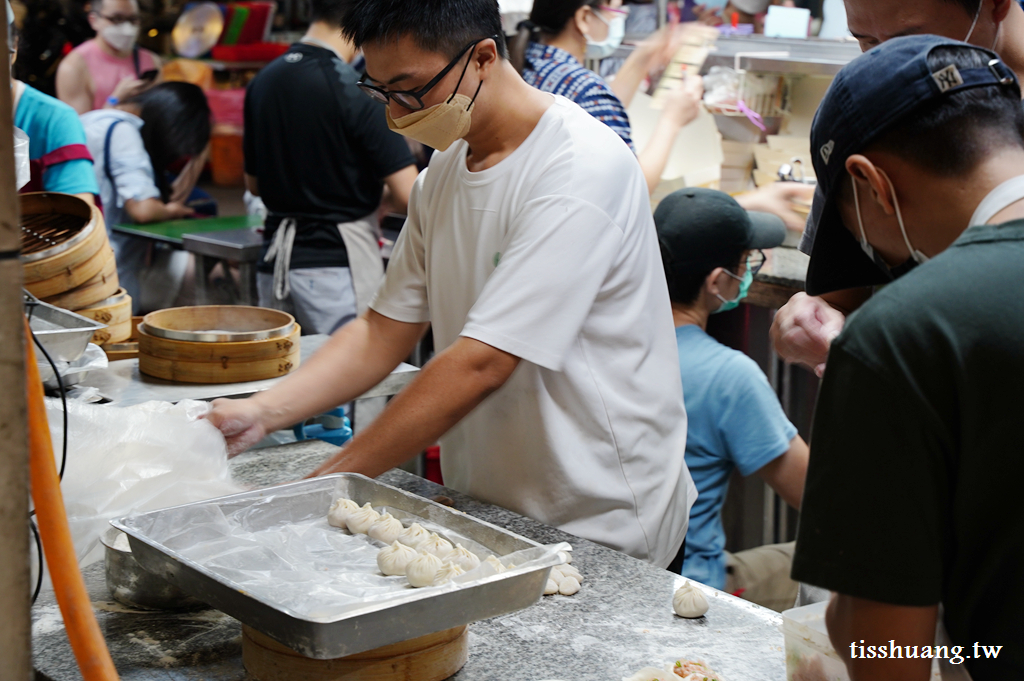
(416, 613)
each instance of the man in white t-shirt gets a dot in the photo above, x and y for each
(531, 250)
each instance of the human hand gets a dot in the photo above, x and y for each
(803, 329)
(128, 87)
(708, 17)
(177, 210)
(778, 198)
(682, 103)
(240, 421)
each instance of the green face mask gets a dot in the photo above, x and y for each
(745, 281)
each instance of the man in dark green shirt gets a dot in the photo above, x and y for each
(912, 500)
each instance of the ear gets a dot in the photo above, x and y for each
(711, 284)
(864, 171)
(486, 56)
(580, 19)
(1000, 10)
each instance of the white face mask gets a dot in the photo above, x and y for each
(120, 36)
(917, 256)
(974, 23)
(616, 32)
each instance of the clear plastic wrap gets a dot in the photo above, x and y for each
(123, 460)
(282, 551)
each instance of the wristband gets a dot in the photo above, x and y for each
(112, 100)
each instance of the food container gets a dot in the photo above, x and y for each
(131, 585)
(809, 652)
(218, 324)
(396, 613)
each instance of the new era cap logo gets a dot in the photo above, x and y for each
(948, 78)
(826, 151)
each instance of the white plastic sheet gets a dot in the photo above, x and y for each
(127, 459)
(278, 552)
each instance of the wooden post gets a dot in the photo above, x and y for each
(15, 621)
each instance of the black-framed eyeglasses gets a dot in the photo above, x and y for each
(118, 20)
(756, 261)
(413, 99)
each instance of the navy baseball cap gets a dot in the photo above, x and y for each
(872, 94)
(701, 229)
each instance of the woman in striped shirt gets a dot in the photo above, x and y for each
(549, 52)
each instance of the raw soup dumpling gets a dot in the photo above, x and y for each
(340, 511)
(385, 529)
(422, 569)
(359, 521)
(394, 559)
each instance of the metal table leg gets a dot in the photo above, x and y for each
(248, 293)
(203, 267)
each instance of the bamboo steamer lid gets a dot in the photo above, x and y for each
(219, 323)
(427, 658)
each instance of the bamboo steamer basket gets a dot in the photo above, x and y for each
(242, 351)
(128, 349)
(116, 313)
(208, 358)
(99, 288)
(74, 270)
(59, 234)
(427, 658)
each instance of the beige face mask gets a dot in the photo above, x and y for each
(438, 126)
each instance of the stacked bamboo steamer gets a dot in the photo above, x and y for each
(68, 262)
(218, 344)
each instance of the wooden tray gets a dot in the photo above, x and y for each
(99, 288)
(429, 658)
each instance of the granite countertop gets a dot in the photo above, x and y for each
(620, 621)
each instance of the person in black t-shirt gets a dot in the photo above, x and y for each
(319, 153)
(912, 497)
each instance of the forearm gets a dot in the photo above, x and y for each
(355, 358)
(788, 473)
(655, 155)
(856, 623)
(447, 389)
(628, 78)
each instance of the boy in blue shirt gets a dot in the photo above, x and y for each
(711, 248)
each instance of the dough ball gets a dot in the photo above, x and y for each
(447, 572)
(385, 529)
(689, 601)
(556, 574)
(414, 535)
(339, 512)
(570, 571)
(422, 569)
(464, 558)
(568, 586)
(551, 587)
(436, 545)
(394, 559)
(359, 521)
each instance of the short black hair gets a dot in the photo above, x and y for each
(176, 124)
(443, 26)
(330, 12)
(950, 136)
(684, 286)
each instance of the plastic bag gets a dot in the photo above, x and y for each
(92, 359)
(721, 87)
(123, 460)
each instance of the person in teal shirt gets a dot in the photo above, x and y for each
(59, 158)
(711, 250)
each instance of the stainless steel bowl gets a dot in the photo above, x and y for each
(131, 585)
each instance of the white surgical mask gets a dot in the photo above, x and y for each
(120, 36)
(616, 32)
(977, 15)
(916, 256)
